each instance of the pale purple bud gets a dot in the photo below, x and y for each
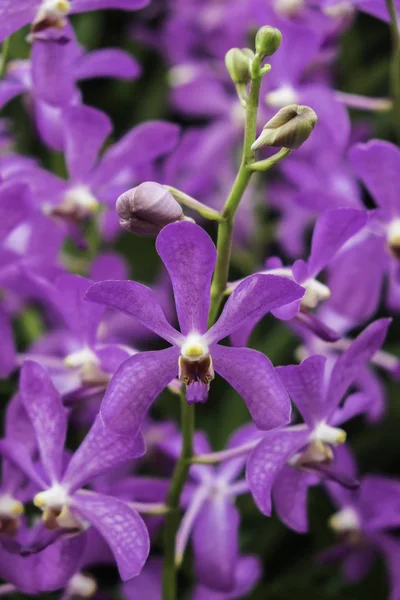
(147, 208)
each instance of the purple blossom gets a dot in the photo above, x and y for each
(364, 525)
(375, 163)
(49, 79)
(52, 13)
(66, 506)
(331, 232)
(79, 363)
(287, 461)
(189, 256)
(95, 180)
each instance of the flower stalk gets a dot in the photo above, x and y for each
(225, 229)
(5, 48)
(205, 211)
(173, 500)
(226, 219)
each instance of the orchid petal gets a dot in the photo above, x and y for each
(135, 386)
(353, 360)
(136, 300)
(216, 543)
(85, 131)
(253, 376)
(253, 298)
(120, 525)
(268, 459)
(332, 230)
(189, 256)
(43, 405)
(305, 385)
(101, 451)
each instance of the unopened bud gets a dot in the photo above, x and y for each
(268, 40)
(238, 64)
(289, 128)
(147, 208)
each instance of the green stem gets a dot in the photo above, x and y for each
(202, 209)
(173, 500)
(225, 229)
(265, 165)
(395, 64)
(4, 56)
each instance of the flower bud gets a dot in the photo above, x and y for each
(268, 40)
(289, 128)
(238, 64)
(147, 208)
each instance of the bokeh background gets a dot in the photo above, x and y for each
(291, 568)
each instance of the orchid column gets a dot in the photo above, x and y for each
(287, 130)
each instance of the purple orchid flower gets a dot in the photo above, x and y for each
(375, 163)
(368, 381)
(52, 13)
(51, 75)
(287, 461)
(189, 256)
(79, 363)
(148, 584)
(332, 230)
(94, 180)
(363, 524)
(67, 508)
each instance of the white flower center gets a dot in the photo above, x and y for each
(194, 348)
(82, 197)
(341, 9)
(282, 96)
(316, 292)
(54, 502)
(345, 520)
(328, 435)
(288, 7)
(393, 233)
(55, 497)
(54, 8)
(80, 358)
(181, 74)
(82, 586)
(9, 507)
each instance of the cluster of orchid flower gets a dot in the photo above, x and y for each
(90, 375)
